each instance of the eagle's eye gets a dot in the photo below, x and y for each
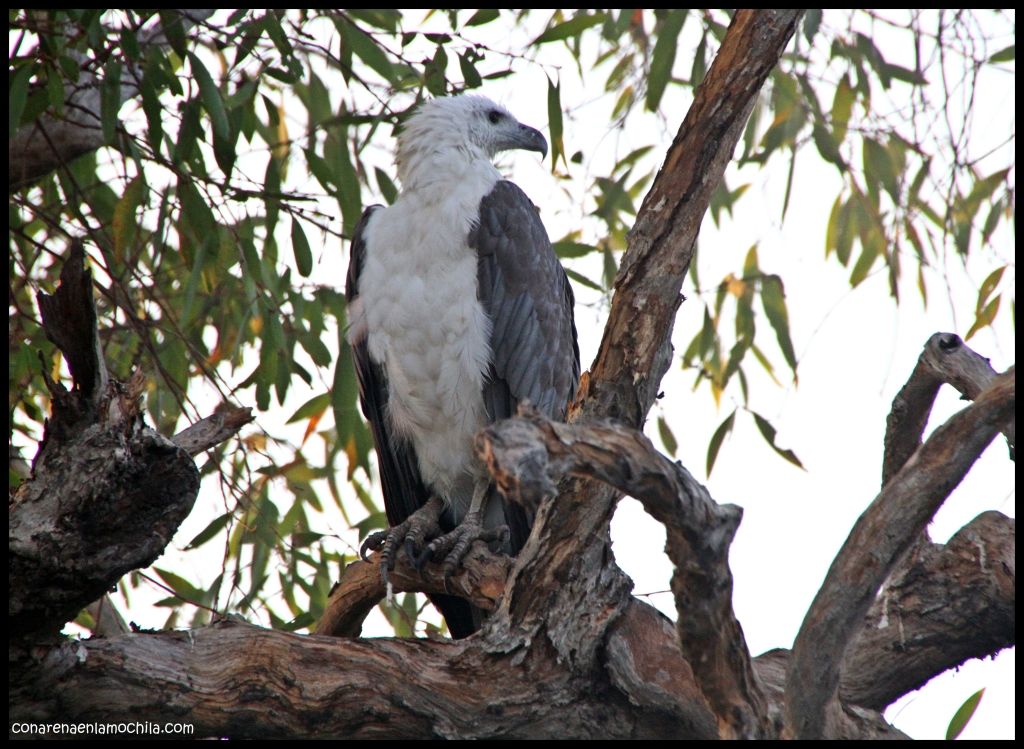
(494, 116)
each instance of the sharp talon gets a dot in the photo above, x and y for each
(372, 543)
(411, 534)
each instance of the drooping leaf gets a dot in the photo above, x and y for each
(367, 49)
(126, 224)
(768, 432)
(300, 246)
(812, 22)
(963, 715)
(664, 56)
(17, 95)
(716, 440)
(385, 185)
(580, 278)
(879, 166)
(984, 317)
(667, 438)
(210, 531)
(434, 73)
(773, 297)
(469, 72)
(180, 585)
(555, 122)
(1006, 54)
(315, 405)
(842, 109)
(110, 100)
(566, 250)
(210, 94)
(485, 15)
(573, 27)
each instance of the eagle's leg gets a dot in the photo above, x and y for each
(413, 531)
(454, 545)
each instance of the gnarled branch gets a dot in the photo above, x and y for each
(957, 601)
(881, 536)
(946, 359)
(528, 454)
(480, 579)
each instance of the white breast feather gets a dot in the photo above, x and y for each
(425, 326)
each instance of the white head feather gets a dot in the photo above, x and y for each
(453, 132)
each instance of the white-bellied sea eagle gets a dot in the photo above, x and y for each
(458, 310)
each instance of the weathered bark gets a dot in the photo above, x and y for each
(237, 680)
(945, 360)
(528, 454)
(956, 602)
(879, 539)
(106, 492)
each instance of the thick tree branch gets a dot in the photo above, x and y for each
(480, 579)
(528, 454)
(855, 723)
(878, 540)
(957, 601)
(945, 359)
(239, 681)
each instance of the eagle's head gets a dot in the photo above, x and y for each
(461, 127)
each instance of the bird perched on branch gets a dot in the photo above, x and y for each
(458, 310)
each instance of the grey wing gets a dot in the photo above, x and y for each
(525, 292)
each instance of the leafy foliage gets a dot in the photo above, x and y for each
(230, 138)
